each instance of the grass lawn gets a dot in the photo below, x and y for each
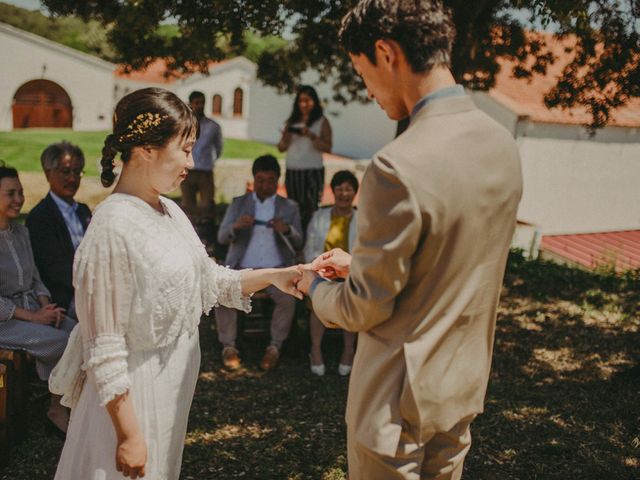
(22, 148)
(557, 406)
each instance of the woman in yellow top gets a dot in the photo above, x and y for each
(332, 227)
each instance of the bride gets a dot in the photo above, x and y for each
(142, 280)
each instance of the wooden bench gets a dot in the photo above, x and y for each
(13, 398)
(257, 321)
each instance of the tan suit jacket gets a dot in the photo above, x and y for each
(437, 213)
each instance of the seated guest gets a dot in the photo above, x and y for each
(263, 231)
(57, 224)
(28, 319)
(332, 227)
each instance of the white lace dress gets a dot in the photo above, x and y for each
(142, 281)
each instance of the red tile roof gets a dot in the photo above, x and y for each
(155, 72)
(527, 98)
(591, 250)
(518, 95)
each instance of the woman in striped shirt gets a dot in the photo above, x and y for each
(28, 319)
(306, 136)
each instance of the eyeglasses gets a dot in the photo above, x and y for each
(68, 172)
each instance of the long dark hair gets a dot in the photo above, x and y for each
(316, 112)
(146, 117)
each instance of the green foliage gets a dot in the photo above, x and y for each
(86, 36)
(92, 37)
(604, 42)
(257, 45)
(544, 280)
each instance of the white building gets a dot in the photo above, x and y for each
(45, 84)
(247, 109)
(581, 200)
(573, 183)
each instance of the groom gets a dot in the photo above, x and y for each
(437, 213)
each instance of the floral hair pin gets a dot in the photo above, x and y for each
(142, 124)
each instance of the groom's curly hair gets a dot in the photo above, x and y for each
(424, 30)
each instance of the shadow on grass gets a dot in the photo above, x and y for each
(556, 407)
(285, 424)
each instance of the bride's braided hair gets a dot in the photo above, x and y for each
(146, 117)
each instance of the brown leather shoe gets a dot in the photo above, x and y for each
(270, 359)
(230, 358)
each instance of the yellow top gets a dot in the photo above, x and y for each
(338, 234)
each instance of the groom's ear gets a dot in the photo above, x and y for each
(388, 53)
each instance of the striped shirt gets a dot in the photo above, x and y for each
(20, 283)
(71, 219)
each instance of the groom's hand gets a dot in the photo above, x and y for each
(335, 263)
(307, 278)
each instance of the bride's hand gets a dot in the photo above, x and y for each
(131, 456)
(286, 279)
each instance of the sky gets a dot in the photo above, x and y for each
(28, 4)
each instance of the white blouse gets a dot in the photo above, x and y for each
(302, 154)
(142, 279)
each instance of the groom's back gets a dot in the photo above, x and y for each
(463, 170)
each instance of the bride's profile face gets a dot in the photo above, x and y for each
(171, 163)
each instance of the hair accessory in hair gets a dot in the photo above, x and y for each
(142, 124)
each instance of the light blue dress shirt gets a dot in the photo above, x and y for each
(71, 219)
(208, 147)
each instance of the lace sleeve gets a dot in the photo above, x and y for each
(221, 286)
(104, 291)
(106, 366)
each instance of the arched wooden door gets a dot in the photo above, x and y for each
(42, 103)
(216, 105)
(238, 95)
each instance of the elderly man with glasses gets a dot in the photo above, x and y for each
(58, 223)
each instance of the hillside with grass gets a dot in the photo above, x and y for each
(92, 37)
(89, 37)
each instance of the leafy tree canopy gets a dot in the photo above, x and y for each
(603, 74)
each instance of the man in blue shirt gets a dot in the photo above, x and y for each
(199, 182)
(58, 223)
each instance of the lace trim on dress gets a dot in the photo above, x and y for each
(230, 295)
(107, 365)
(67, 378)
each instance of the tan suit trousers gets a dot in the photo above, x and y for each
(441, 457)
(285, 308)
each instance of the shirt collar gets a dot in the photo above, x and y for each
(451, 91)
(270, 199)
(62, 205)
